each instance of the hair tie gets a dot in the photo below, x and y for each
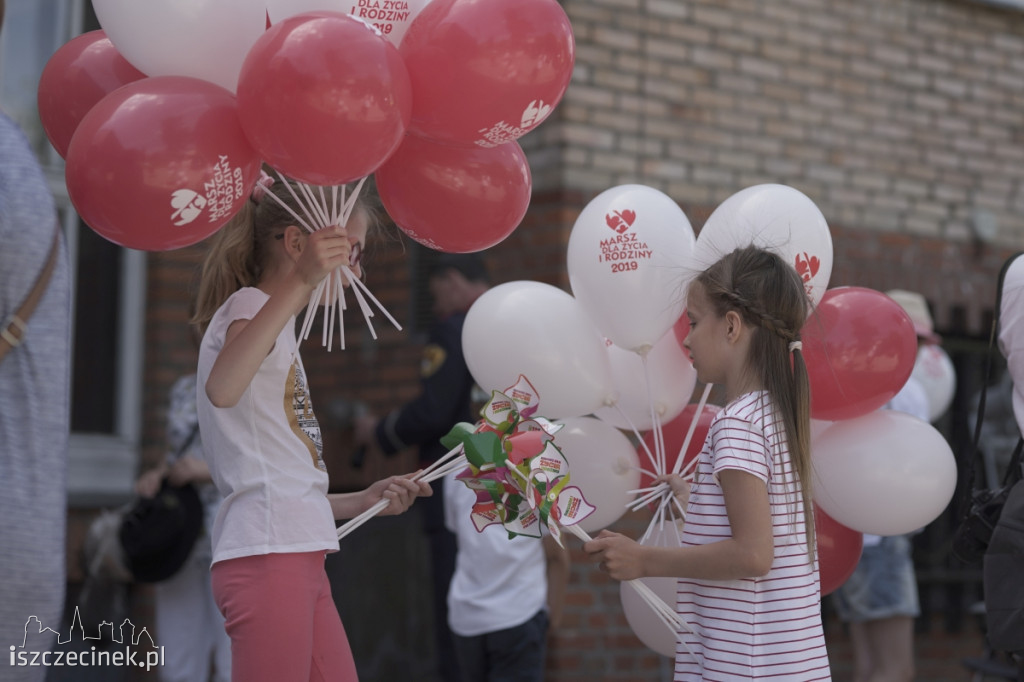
(795, 345)
(261, 187)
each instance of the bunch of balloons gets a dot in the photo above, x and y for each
(609, 357)
(165, 115)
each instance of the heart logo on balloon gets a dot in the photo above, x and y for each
(535, 112)
(807, 266)
(620, 221)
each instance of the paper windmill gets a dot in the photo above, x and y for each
(520, 477)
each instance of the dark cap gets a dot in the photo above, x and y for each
(469, 265)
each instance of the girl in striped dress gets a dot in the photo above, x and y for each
(747, 567)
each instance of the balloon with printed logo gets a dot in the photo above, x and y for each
(161, 163)
(935, 371)
(658, 385)
(859, 347)
(775, 217)
(391, 17)
(674, 435)
(205, 39)
(627, 258)
(602, 464)
(324, 98)
(643, 620)
(839, 550)
(78, 75)
(486, 73)
(886, 473)
(455, 199)
(540, 332)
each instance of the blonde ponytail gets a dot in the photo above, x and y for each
(230, 264)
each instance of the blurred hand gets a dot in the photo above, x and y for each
(364, 430)
(188, 469)
(148, 483)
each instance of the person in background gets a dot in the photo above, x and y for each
(879, 600)
(504, 596)
(455, 281)
(188, 624)
(35, 352)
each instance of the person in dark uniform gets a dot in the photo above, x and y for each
(455, 281)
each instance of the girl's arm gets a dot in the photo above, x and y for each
(400, 491)
(748, 553)
(248, 342)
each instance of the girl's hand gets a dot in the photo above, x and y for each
(323, 251)
(399, 491)
(680, 488)
(616, 555)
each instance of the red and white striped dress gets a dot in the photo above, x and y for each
(766, 628)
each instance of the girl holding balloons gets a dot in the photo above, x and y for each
(747, 564)
(262, 443)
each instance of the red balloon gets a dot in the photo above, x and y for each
(486, 72)
(324, 97)
(860, 348)
(455, 199)
(78, 75)
(674, 433)
(161, 163)
(839, 551)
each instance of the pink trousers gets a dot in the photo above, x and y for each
(281, 619)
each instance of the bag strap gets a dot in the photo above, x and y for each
(12, 333)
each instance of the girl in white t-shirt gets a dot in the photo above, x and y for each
(263, 444)
(747, 567)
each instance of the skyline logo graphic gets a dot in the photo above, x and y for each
(126, 635)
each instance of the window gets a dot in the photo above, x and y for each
(108, 281)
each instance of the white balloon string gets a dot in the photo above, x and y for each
(289, 209)
(327, 310)
(665, 613)
(341, 306)
(639, 437)
(357, 283)
(693, 427)
(298, 202)
(659, 448)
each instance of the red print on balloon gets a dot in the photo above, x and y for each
(620, 221)
(807, 266)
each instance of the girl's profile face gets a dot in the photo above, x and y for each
(706, 340)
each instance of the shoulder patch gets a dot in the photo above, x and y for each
(433, 357)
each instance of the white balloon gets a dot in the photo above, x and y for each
(642, 619)
(885, 473)
(205, 39)
(603, 464)
(934, 370)
(390, 17)
(672, 380)
(627, 259)
(541, 332)
(777, 218)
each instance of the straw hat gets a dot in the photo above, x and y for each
(917, 308)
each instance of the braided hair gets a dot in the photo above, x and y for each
(770, 297)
